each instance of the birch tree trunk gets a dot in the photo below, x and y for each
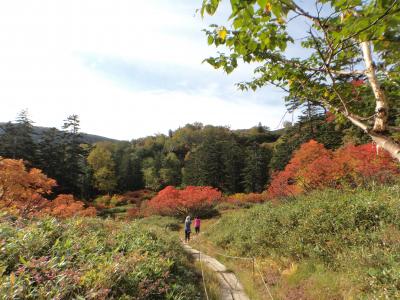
(382, 107)
(382, 141)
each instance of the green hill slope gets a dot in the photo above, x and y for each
(86, 138)
(327, 245)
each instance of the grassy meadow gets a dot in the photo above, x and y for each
(327, 245)
(92, 258)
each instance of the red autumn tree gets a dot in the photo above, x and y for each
(315, 167)
(193, 200)
(21, 189)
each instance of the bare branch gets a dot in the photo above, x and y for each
(355, 72)
(327, 70)
(393, 128)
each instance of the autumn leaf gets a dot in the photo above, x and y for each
(222, 33)
(12, 279)
(268, 7)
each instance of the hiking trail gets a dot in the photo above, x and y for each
(231, 288)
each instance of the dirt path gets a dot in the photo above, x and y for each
(231, 288)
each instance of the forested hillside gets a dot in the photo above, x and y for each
(233, 161)
(307, 210)
(39, 132)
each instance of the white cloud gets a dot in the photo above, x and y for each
(41, 69)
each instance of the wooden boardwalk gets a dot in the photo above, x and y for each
(231, 288)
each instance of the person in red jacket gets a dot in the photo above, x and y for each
(197, 225)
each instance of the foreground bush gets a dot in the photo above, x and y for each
(92, 259)
(345, 241)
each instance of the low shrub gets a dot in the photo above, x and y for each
(92, 259)
(354, 234)
(240, 198)
(107, 201)
(138, 197)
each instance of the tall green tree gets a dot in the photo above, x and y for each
(353, 65)
(51, 153)
(17, 139)
(103, 166)
(74, 157)
(170, 171)
(307, 128)
(232, 156)
(8, 140)
(217, 163)
(255, 171)
(151, 167)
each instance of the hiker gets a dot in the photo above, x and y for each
(197, 225)
(188, 222)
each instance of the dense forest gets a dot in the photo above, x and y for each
(233, 161)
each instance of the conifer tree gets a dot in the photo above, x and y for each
(51, 154)
(74, 157)
(255, 172)
(8, 140)
(17, 139)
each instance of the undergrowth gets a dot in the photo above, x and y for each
(326, 245)
(92, 259)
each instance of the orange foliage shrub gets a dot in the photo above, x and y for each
(314, 167)
(193, 200)
(65, 206)
(21, 189)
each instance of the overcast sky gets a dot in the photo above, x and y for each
(128, 68)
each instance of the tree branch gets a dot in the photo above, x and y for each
(372, 24)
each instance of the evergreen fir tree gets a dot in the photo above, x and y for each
(74, 157)
(8, 140)
(255, 172)
(17, 139)
(51, 154)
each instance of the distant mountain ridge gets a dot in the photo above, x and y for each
(86, 137)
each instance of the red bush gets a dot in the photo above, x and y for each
(314, 167)
(65, 206)
(194, 200)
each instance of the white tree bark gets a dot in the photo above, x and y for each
(382, 107)
(382, 141)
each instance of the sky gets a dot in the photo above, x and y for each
(128, 68)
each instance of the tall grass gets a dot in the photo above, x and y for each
(329, 244)
(92, 259)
